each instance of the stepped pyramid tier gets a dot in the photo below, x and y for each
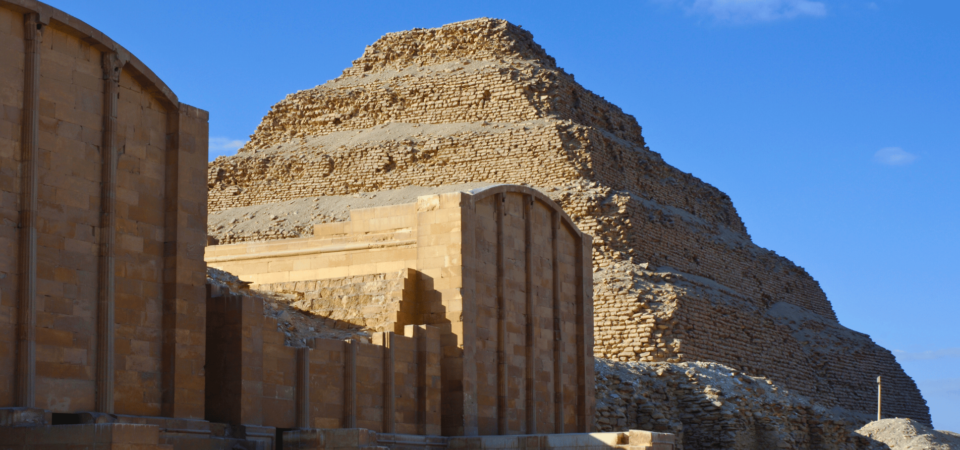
(677, 277)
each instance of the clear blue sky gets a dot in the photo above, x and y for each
(833, 124)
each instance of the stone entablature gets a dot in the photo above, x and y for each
(501, 271)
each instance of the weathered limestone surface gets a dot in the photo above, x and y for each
(480, 101)
(125, 335)
(708, 405)
(500, 270)
(390, 385)
(376, 302)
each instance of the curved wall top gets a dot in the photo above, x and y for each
(484, 192)
(103, 208)
(54, 17)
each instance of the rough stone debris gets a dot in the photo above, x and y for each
(907, 434)
(677, 277)
(709, 405)
(298, 324)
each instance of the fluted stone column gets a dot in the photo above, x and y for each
(502, 422)
(530, 311)
(303, 388)
(112, 65)
(557, 330)
(27, 259)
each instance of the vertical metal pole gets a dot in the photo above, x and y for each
(879, 397)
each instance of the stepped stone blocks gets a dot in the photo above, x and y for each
(500, 271)
(480, 101)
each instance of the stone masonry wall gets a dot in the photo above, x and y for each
(11, 93)
(81, 254)
(477, 101)
(377, 302)
(653, 221)
(500, 270)
(490, 70)
(390, 385)
(667, 315)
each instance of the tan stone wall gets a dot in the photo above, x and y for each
(515, 316)
(375, 241)
(327, 384)
(470, 255)
(487, 320)
(11, 100)
(140, 238)
(488, 70)
(71, 104)
(661, 314)
(253, 375)
(160, 211)
(378, 302)
(542, 266)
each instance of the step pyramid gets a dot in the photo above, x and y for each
(677, 277)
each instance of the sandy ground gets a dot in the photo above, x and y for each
(907, 434)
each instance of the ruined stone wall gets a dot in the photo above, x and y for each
(377, 302)
(254, 379)
(114, 222)
(376, 241)
(500, 270)
(666, 315)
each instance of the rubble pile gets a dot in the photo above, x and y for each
(299, 326)
(712, 406)
(907, 434)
